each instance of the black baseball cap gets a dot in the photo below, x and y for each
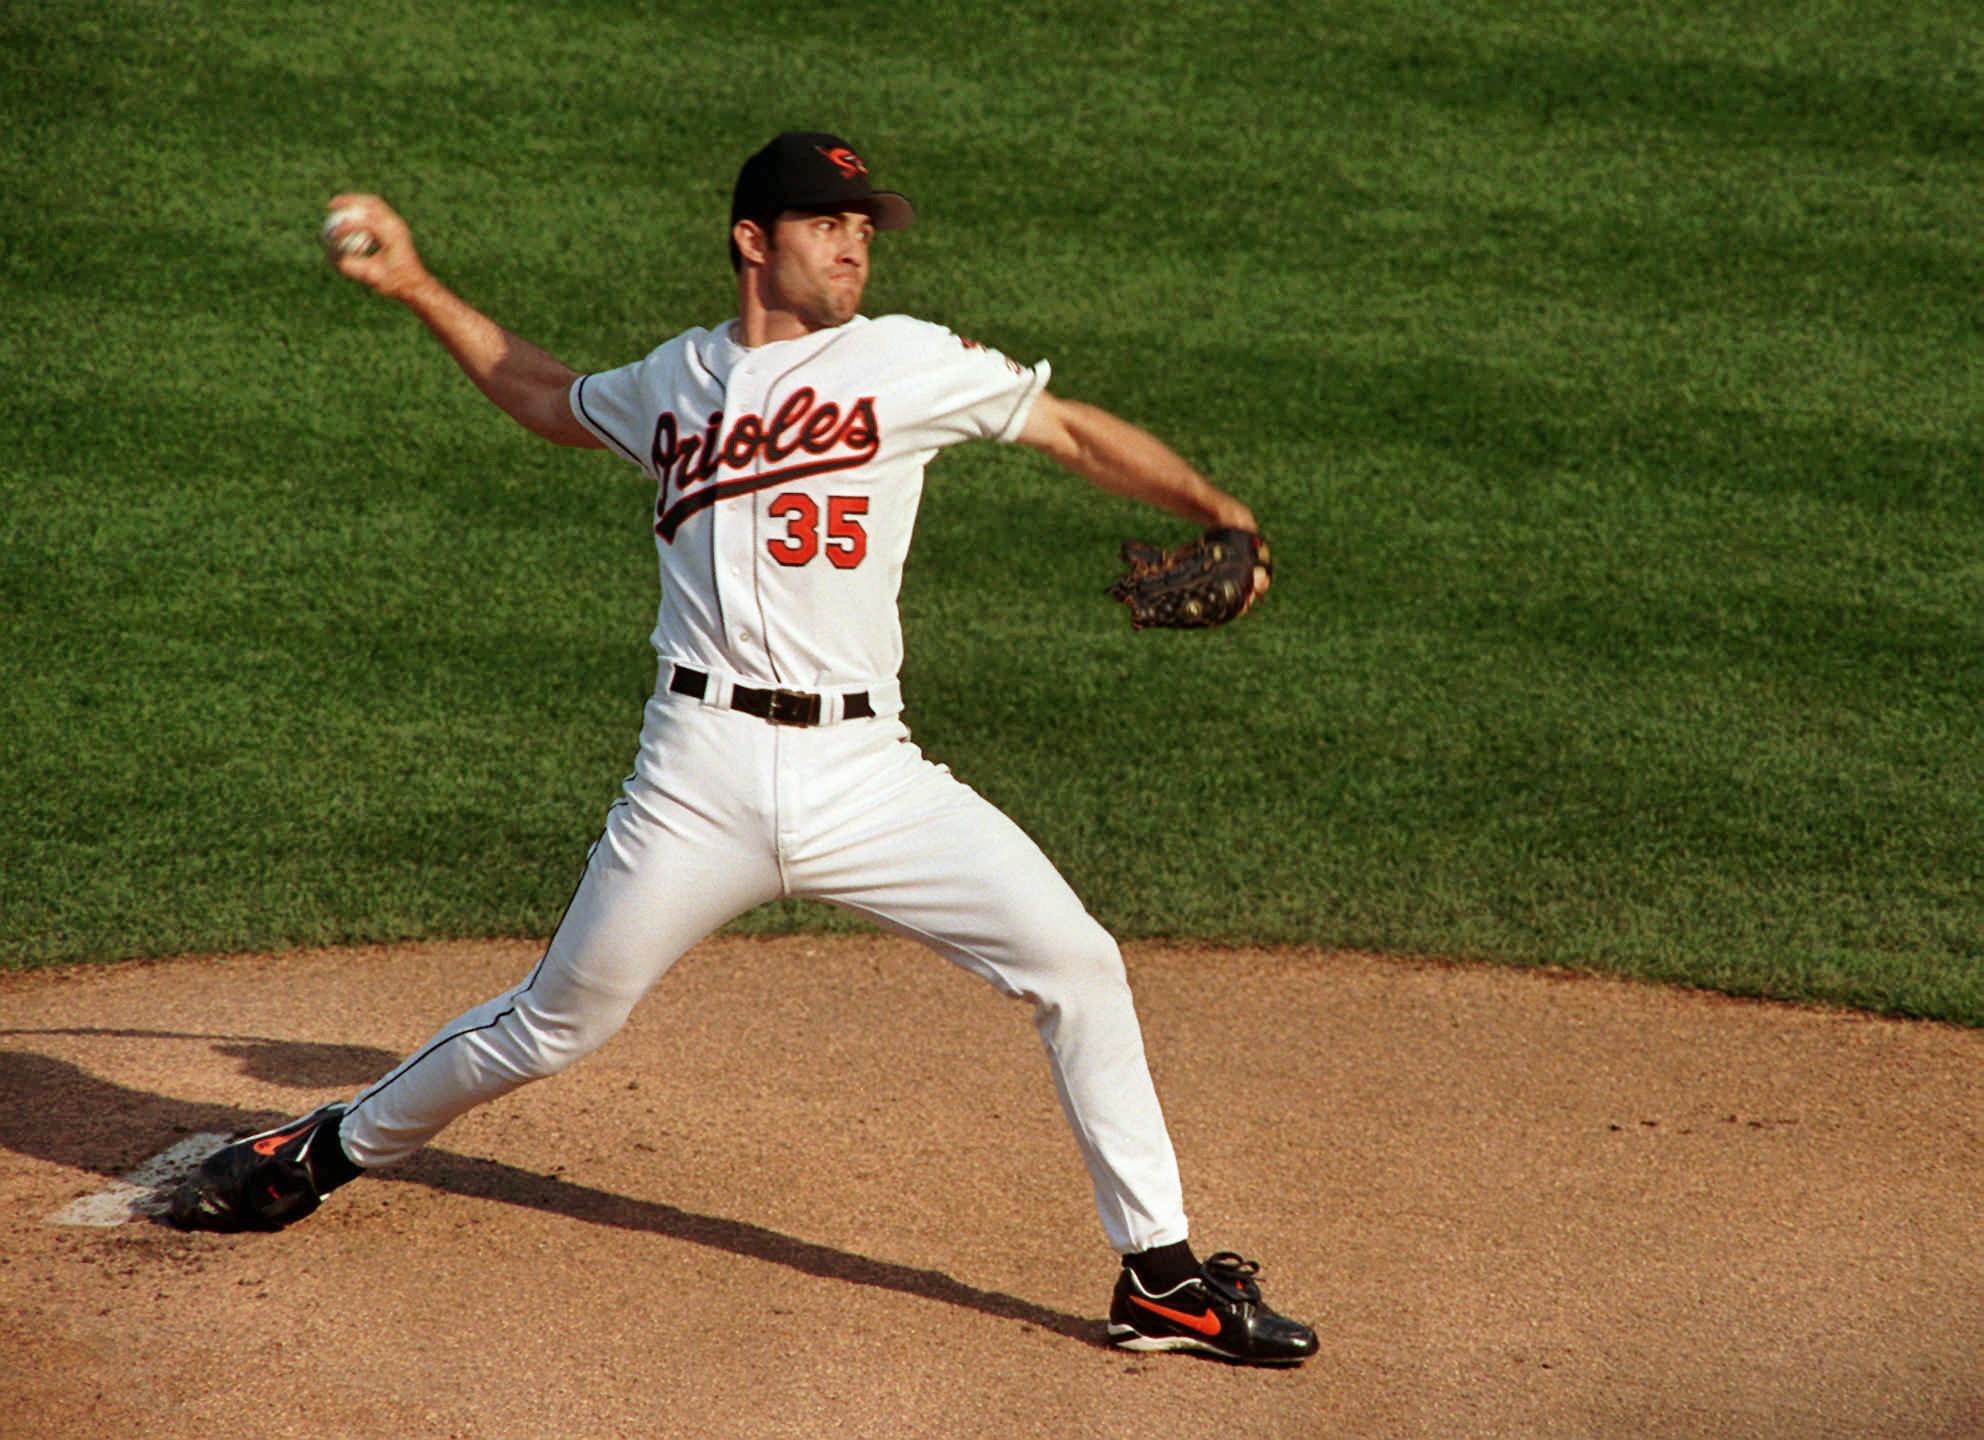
(812, 170)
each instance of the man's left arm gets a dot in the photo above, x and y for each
(1128, 460)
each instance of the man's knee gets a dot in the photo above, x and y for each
(1083, 972)
(1100, 958)
(548, 1042)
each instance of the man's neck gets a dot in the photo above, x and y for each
(757, 327)
(759, 323)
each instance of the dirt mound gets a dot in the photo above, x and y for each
(821, 1187)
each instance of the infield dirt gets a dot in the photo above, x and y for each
(821, 1187)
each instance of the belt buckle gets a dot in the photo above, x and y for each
(793, 707)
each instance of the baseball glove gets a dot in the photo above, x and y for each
(1207, 581)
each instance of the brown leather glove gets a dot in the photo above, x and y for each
(1207, 581)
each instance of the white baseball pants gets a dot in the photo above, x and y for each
(726, 812)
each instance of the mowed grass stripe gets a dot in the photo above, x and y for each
(1605, 381)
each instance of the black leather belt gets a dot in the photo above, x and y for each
(780, 707)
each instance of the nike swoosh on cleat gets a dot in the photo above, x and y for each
(269, 1144)
(1206, 1324)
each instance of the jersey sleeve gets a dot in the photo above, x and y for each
(958, 389)
(612, 404)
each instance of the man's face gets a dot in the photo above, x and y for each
(818, 265)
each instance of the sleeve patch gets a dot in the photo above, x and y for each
(1010, 363)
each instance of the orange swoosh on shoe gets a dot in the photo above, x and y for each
(1206, 1324)
(269, 1144)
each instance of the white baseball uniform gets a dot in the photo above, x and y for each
(773, 761)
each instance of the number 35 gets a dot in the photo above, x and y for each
(846, 542)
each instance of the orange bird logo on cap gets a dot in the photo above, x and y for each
(844, 160)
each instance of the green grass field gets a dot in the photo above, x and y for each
(1606, 377)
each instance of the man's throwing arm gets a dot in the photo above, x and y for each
(526, 383)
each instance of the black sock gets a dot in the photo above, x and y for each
(1164, 1266)
(325, 1159)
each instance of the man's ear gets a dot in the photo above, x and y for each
(751, 241)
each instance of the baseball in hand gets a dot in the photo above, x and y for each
(352, 242)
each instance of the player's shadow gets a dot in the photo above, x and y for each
(494, 1180)
(56, 1111)
(301, 1063)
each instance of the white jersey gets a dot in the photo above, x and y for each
(787, 478)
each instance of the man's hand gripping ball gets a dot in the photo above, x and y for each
(367, 241)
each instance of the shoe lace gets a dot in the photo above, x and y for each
(1227, 1275)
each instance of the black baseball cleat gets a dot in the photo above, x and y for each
(265, 1181)
(1219, 1311)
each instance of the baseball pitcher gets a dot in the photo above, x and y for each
(787, 447)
